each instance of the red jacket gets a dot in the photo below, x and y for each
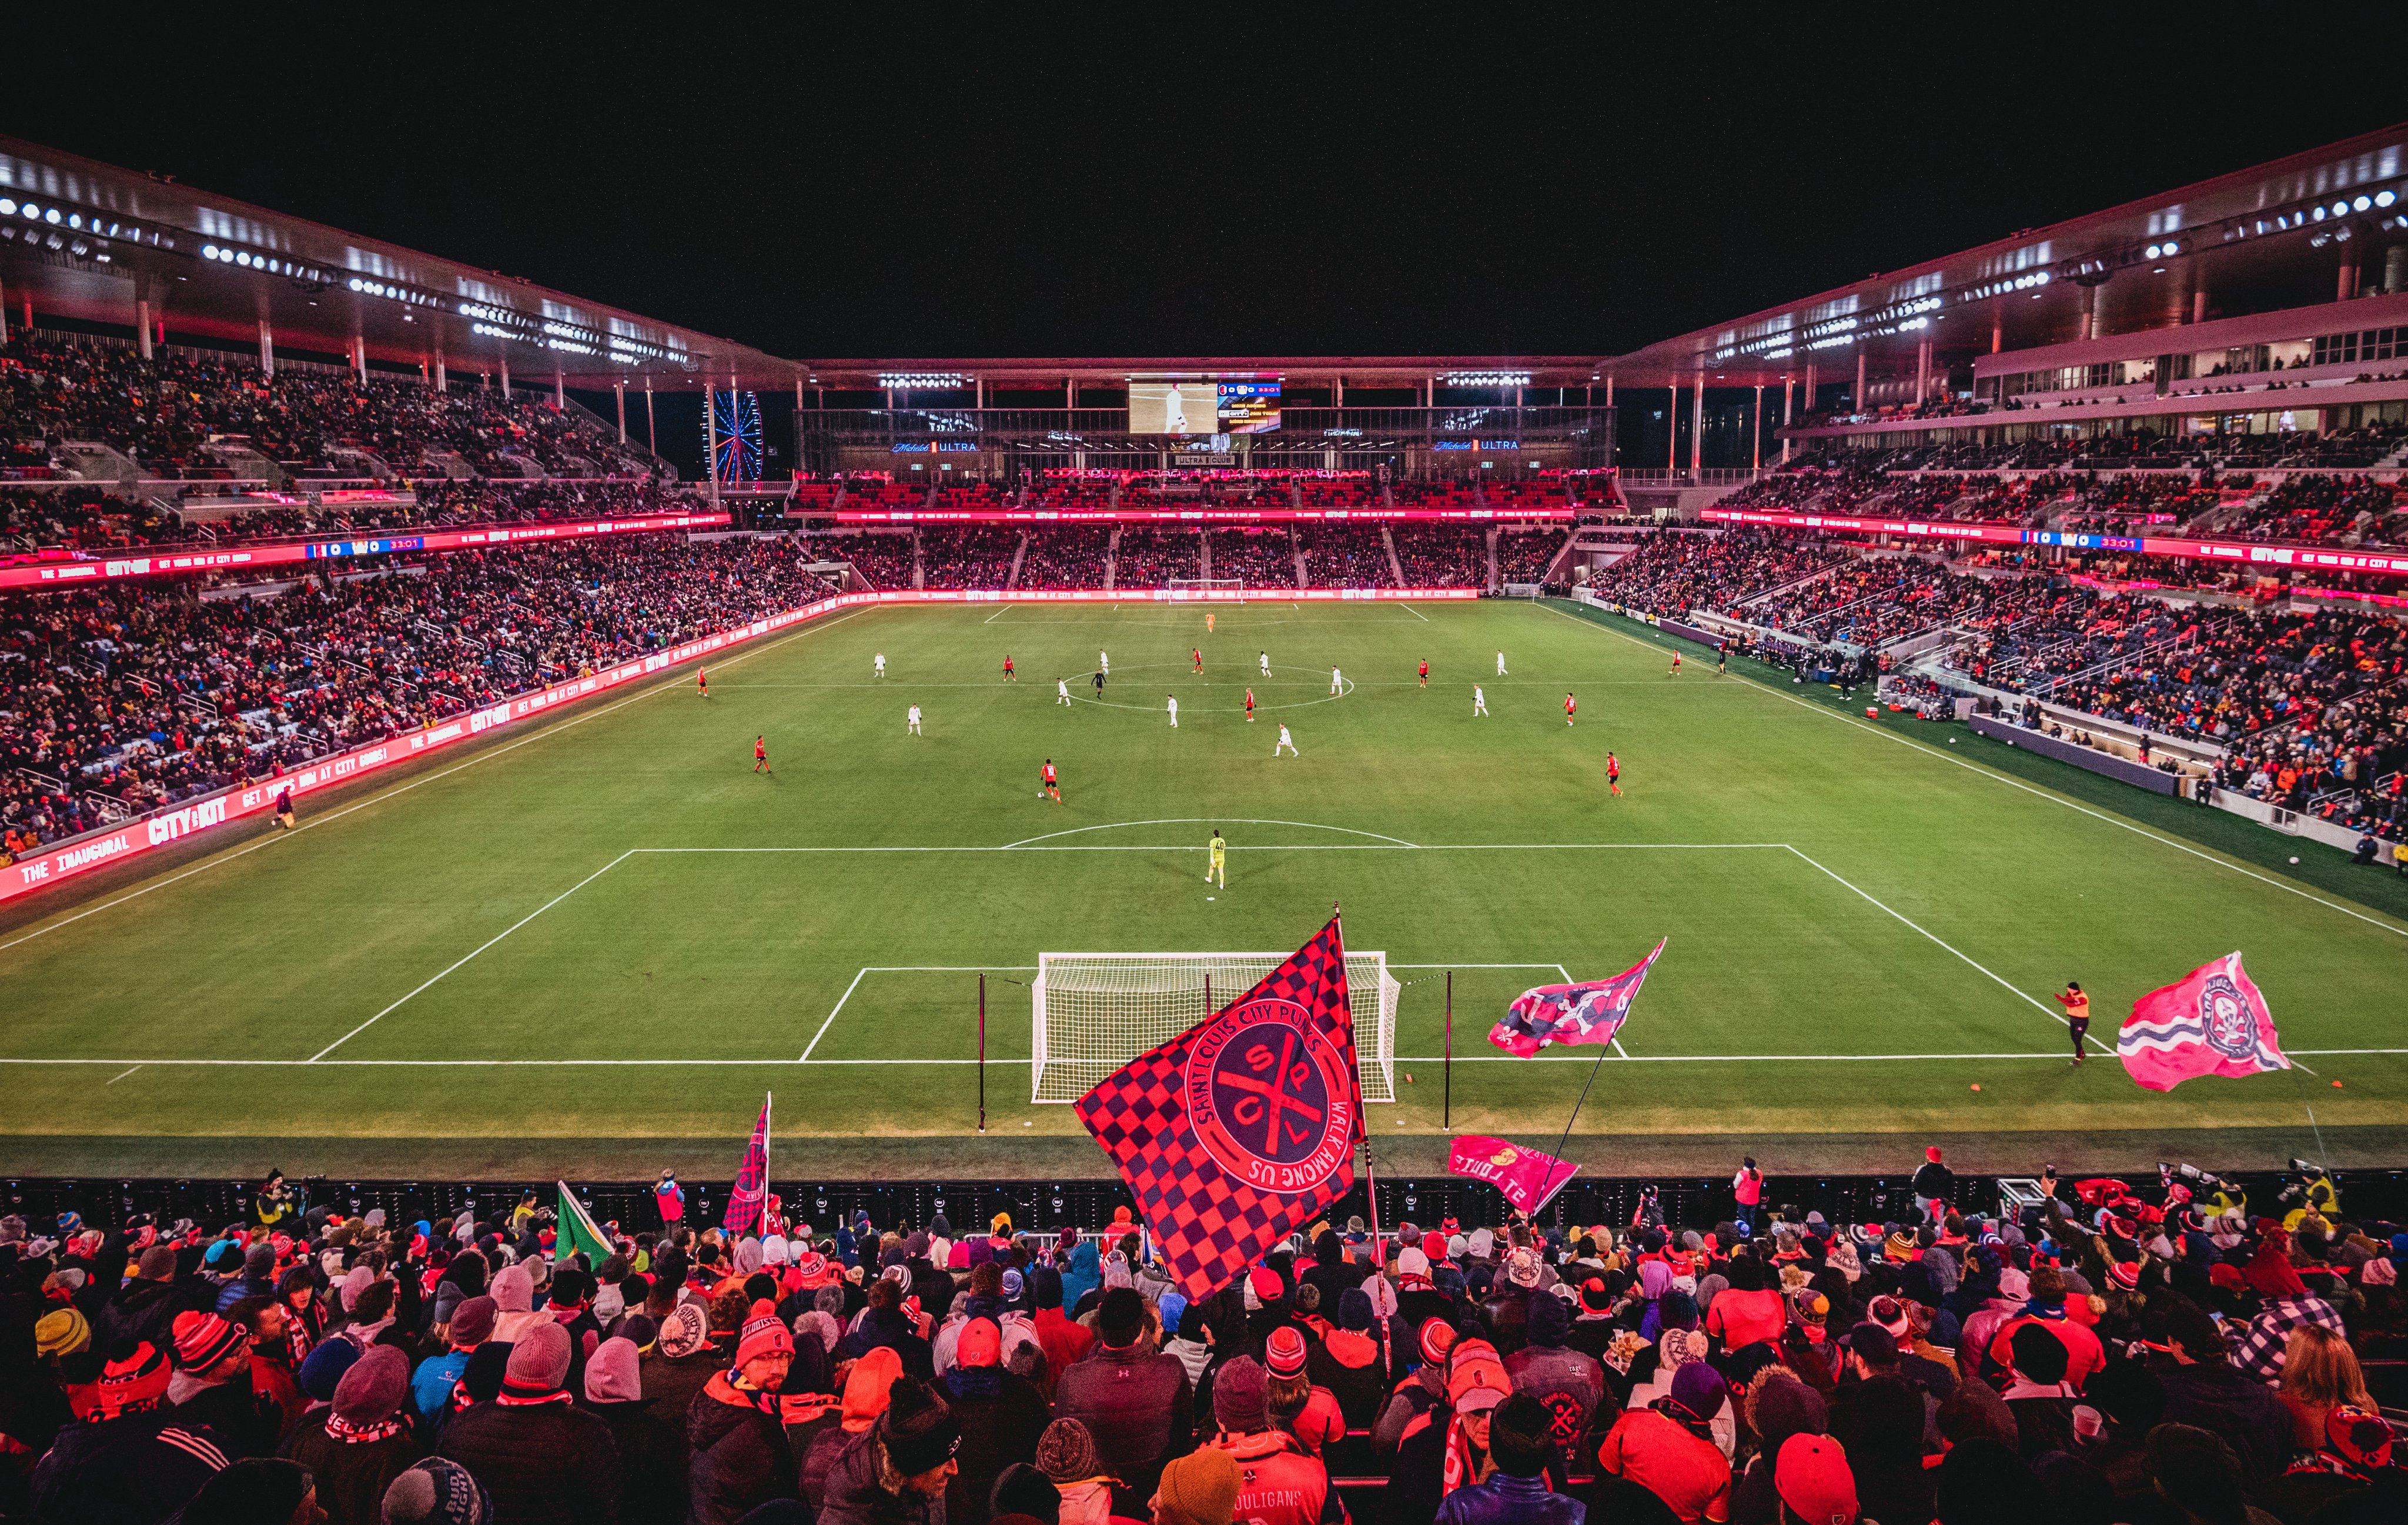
(1278, 1484)
(1062, 1341)
(2084, 1354)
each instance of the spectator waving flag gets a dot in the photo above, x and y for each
(1241, 1129)
(1585, 1012)
(2213, 1021)
(752, 1190)
(579, 1232)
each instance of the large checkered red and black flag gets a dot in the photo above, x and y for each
(1241, 1130)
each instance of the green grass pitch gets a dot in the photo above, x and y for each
(593, 946)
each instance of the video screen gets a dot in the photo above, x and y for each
(1201, 407)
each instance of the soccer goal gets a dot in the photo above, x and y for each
(1194, 589)
(1098, 1011)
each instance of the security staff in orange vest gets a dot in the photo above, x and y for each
(2078, 1015)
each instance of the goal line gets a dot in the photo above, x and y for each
(1095, 1011)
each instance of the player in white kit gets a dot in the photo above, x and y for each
(1501, 664)
(912, 721)
(1061, 690)
(1263, 660)
(878, 662)
(1104, 663)
(1479, 702)
(1174, 709)
(1335, 681)
(1284, 741)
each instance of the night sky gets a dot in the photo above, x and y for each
(1404, 187)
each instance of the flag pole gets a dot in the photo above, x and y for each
(1547, 1181)
(1362, 1120)
(760, 1224)
(1446, 1117)
(981, 1052)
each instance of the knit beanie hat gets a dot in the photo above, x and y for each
(1066, 1452)
(371, 1391)
(1199, 1488)
(324, 1366)
(63, 1331)
(436, 1492)
(1241, 1396)
(764, 1335)
(918, 1429)
(1436, 1339)
(613, 1373)
(1023, 1492)
(538, 1360)
(472, 1322)
(1698, 1387)
(1550, 1319)
(685, 1330)
(158, 1264)
(204, 1339)
(135, 1377)
(1283, 1352)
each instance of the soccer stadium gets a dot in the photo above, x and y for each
(1805, 918)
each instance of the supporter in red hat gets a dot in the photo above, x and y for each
(1812, 1479)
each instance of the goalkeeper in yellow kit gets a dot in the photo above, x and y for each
(1219, 866)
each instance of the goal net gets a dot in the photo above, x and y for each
(1187, 589)
(1098, 1011)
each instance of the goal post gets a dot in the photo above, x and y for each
(1095, 1011)
(1197, 589)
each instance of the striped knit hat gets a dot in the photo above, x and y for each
(1283, 1352)
(763, 1333)
(204, 1339)
(135, 1379)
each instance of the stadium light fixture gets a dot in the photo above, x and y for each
(1484, 378)
(2385, 198)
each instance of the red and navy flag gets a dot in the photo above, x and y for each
(2213, 1021)
(752, 1193)
(1588, 1011)
(1241, 1129)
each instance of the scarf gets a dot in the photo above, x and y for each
(364, 1434)
(507, 1399)
(725, 1391)
(1679, 1414)
(1459, 1467)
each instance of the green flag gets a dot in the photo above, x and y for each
(579, 1232)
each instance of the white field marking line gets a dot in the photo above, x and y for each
(1199, 820)
(2059, 1016)
(2017, 783)
(1414, 613)
(830, 1021)
(381, 796)
(997, 616)
(480, 947)
(121, 1077)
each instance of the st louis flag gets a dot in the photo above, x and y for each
(1240, 1131)
(2213, 1022)
(1589, 1012)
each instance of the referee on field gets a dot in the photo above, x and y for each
(2077, 1015)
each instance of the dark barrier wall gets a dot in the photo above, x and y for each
(2046, 745)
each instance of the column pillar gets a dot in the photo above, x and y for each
(1608, 389)
(710, 440)
(1788, 394)
(2346, 283)
(506, 375)
(4, 318)
(1337, 392)
(1673, 432)
(360, 357)
(651, 433)
(1997, 328)
(267, 349)
(620, 388)
(1070, 392)
(2199, 305)
(559, 390)
(1755, 458)
(442, 377)
(142, 320)
(1922, 371)
(1697, 423)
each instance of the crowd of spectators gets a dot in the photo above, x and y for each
(1346, 556)
(1442, 555)
(2114, 1352)
(1259, 558)
(2317, 506)
(1065, 556)
(168, 413)
(884, 558)
(970, 557)
(1675, 572)
(132, 695)
(1523, 556)
(1152, 558)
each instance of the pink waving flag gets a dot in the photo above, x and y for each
(752, 1193)
(2213, 1021)
(1588, 1011)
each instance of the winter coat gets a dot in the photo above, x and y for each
(738, 1455)
(245, 1423)
(351, 1478)
(1140, 1408)
(545, 1463)
(136, 1470)
(1278, 1484)
(669, 1383)
(854, 1496)
(1348, 1364)
(1001, 1416)
(652, 1459)
(1510, 1500)
(1568, 1384)
(146, 1310)
(2220, 1397)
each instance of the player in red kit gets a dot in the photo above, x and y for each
(1198, 656)
(1676, 665)
(1009, 676)
(702, 682)
(761, 754)
(1613, 773)
(1250, 706)
(1571, 707)
(1425, 672)
(1053, 789)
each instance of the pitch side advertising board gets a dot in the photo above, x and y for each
(63, 861)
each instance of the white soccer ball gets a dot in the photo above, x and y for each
(2294, 861)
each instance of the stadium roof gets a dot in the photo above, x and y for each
(2257, 239)
(90, 239)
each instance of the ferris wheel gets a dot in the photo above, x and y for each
(736, 417)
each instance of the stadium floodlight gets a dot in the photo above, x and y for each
(8, 206)
(920, 380)
(2382, 198)
(1095, 1011)
(1484, 378)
